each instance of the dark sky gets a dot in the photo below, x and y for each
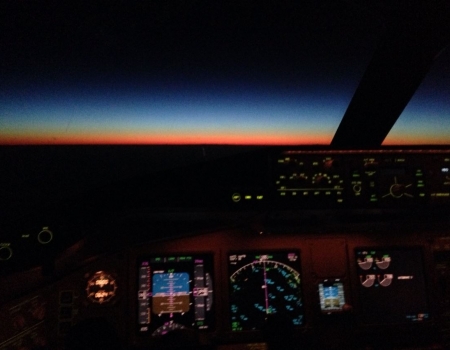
(232, 37)
(272, 72)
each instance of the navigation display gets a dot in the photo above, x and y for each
(331, 295)
(261, 284)
(175, 292)
(391, 285)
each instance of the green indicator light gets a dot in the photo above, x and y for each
(373, 200)
(280, 160)
(259, 197)
(356, 175)
(422, 194)
(248, 197)
(189, 258)
(236, 197)
(157, 259)
(315, 163)
(182, 258)
(172, 258)
(340, 200)
(420, 185)
(282, 193)
(327, 193)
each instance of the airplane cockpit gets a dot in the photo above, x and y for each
(131, 220)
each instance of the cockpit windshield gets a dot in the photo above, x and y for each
(183, 74)
(425, 119)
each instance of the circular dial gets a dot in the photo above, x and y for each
(5, 252)
(101, 288)
(399, 187)
(261, 288)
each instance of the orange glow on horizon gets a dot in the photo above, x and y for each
(413, 140)
(186, 138)
(116, 139)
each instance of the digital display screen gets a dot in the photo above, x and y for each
(331, 295)
(175, 292)
(261, 284)
(392, 285)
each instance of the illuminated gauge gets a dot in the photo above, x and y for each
(366, 262)
(264, 287)
(166, 328)
(384, 262)
(386, 280)
(367, 281)
(101, 288)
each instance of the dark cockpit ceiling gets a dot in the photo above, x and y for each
(75, 214)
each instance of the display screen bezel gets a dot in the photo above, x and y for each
(159, 324)
(295, 265)
(373, 311)
(342, 299)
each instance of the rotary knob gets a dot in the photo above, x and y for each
(5, 252)
(398, 189)
(45, 236)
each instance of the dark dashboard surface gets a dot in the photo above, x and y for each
(334, 225)
(76, 189)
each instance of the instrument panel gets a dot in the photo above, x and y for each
(334, 278)
(378, 178)
(175, 292)
(225, 286)
(262, 284)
